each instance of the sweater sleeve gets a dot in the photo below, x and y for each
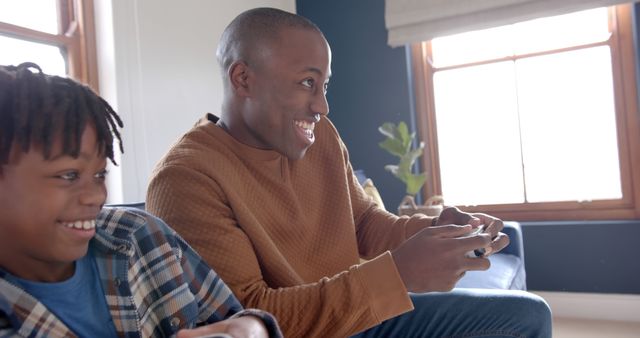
(340, 305)
(377, 229)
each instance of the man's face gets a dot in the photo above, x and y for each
(48, 208)
(287, 93)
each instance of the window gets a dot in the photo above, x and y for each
(58, 35)
(536, 120)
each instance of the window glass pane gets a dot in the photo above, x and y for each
(49, 58)
(527, 37)
(472, 46)
(478, 140)
(568, 126)
(41, 15)
(561, 31)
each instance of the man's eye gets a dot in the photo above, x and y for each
(326, 87)
(308, 83)
(70, 176)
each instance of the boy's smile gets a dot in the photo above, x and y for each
(49, 208)
(82, 229)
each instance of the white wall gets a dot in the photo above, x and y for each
(157, 68)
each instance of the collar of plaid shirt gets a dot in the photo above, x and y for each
(134, 251)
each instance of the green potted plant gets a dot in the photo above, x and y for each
(399, 142)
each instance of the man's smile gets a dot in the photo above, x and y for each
(306, 129)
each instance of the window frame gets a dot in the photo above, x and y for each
(627, 123)
(76, 37)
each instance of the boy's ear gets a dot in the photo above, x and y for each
(239, 77)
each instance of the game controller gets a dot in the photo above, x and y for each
(477, 252)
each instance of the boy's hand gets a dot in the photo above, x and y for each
(241, 327)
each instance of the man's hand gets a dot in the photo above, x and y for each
(241, 327)
(493, 226)
(434, 258)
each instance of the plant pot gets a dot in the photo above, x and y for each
(432, 207)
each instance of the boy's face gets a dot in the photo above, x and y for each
(48, 209)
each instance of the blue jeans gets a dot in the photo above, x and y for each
(469, 313)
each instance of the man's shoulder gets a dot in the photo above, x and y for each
(326, 126)
(197, 147)
(199, 139)
(328, 140)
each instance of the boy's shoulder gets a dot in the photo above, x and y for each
(118, 226)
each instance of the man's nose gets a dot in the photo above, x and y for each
(320, 104)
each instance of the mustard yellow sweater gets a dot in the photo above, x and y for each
(286, 236)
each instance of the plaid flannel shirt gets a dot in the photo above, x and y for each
(155, 284)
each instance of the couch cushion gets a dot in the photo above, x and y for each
(506, 272)
(372, 192)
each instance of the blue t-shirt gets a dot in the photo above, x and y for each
(79, 302)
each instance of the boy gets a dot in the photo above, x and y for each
(69, 267)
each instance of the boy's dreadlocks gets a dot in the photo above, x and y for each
(35, 108)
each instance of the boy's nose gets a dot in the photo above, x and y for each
(94, 194)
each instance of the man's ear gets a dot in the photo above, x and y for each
(239, 77)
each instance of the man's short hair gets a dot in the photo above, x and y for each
(250, 30)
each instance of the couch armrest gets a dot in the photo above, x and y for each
(514, 231)
(137, 205)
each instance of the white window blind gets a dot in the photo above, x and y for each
(410, 21)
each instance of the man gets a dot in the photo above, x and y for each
(267, 195)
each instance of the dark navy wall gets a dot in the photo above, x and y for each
(370, 86)
(583, 256)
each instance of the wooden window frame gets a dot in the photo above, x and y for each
(628, 132)
(76, 38)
